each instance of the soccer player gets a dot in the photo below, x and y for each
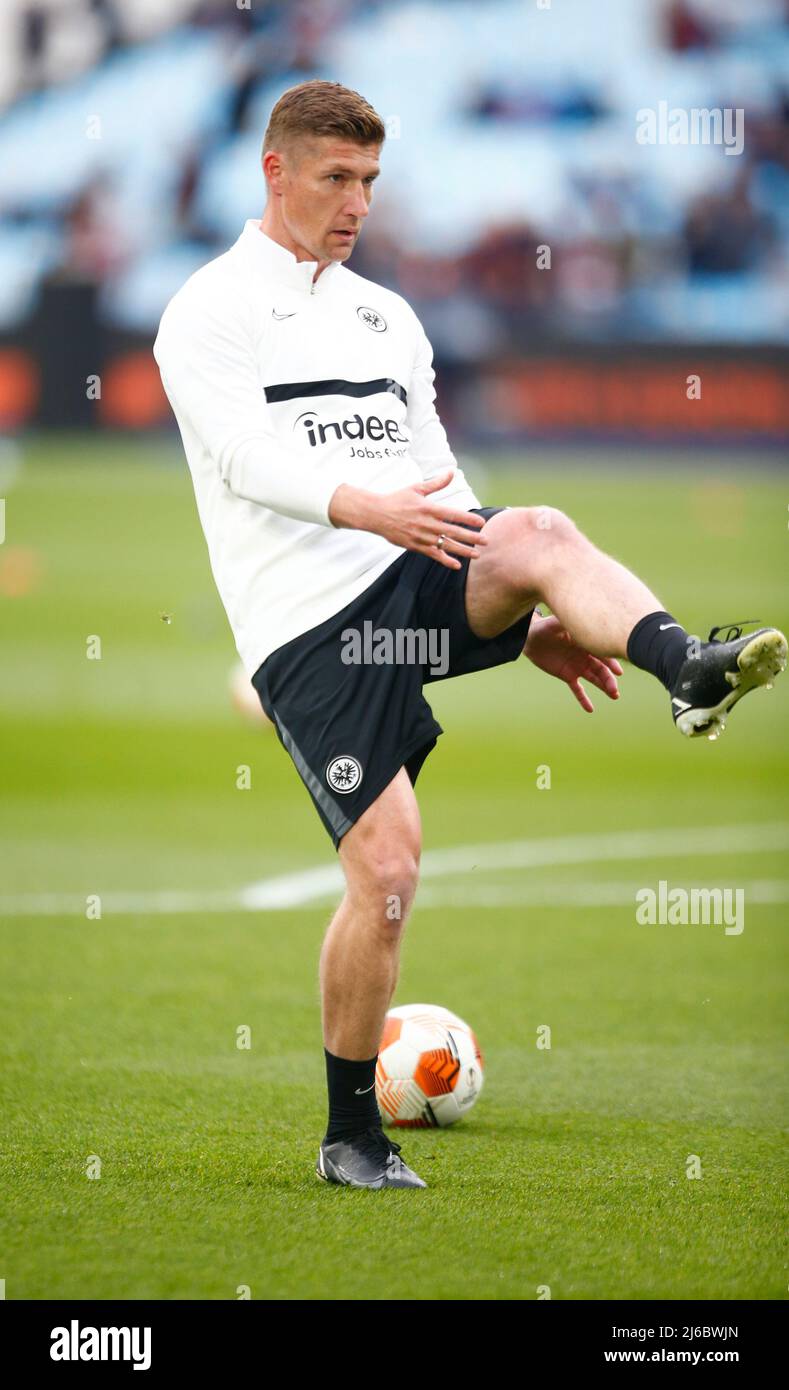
(356, 564)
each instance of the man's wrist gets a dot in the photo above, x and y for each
(353, 507)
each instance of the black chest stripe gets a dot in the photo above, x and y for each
(295, 390)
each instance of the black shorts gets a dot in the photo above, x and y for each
(346, 697)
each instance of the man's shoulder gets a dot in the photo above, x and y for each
(377, 297)
(217, 285)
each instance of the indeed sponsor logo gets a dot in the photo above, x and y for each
(75, 1343)
(354, 428)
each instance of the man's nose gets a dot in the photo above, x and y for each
(357, 205)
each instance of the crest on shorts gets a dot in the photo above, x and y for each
(344, 774)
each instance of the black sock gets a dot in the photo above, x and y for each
(352, 1103)
(659, 644)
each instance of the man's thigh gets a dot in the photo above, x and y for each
(495, 593)
(387, 834)
(442, 609)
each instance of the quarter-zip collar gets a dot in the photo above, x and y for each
(278, 262)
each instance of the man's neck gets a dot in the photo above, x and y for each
(281, 236)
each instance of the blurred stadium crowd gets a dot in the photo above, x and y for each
(130, 140)
(500, 140)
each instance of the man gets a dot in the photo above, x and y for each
(335, 514)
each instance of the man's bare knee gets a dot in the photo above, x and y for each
(534, 538)
(385, 879)
(380, 858)
(547, 524)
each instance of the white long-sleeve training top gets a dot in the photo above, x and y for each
(283, 389)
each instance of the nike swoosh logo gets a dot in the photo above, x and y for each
(275, 315)
(364, 1093)
(663, 626)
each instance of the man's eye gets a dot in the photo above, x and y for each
(335, 176)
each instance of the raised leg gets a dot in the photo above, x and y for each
(538, 553)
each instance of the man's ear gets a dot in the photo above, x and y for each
(273, 170)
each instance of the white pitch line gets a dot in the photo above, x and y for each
(325, 882)
(585, 894)
(620, 845)
(296, 890)
(119, 902)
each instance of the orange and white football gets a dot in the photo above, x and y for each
(430, 1067)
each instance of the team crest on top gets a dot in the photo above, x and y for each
(371, 318)
(344, 774)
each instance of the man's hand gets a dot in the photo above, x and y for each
(409, 519)
(552, 648)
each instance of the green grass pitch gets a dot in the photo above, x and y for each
(119, 1034)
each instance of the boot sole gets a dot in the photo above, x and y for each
(759, 662)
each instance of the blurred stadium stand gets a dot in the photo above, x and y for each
(129, 154)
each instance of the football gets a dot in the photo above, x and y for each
(430, 1067)
(244, 697)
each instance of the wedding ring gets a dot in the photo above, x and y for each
(440, 543)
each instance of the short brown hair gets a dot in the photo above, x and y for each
(323, 108)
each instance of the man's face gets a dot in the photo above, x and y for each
(326, 185)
